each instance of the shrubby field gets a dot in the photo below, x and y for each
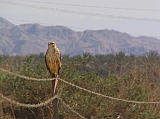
(118, 75)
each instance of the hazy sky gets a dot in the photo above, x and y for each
(136, 17)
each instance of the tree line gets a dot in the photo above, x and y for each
(117, 75)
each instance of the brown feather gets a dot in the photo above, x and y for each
(53, 59)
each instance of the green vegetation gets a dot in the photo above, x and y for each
(117, 75)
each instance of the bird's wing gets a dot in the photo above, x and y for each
(46, 62)
(60, 58)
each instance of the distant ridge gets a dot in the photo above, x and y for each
(33, 38)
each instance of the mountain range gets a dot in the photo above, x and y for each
(33, 38)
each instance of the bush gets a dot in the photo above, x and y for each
(119, 76)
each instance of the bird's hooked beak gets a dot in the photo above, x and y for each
(51, 44)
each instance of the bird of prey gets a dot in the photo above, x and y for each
(53, 62)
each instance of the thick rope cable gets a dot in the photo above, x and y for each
(28, 105)
(40, 104)
(28, 78)
(105, 96)
(70, 108)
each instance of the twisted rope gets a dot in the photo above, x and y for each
(105, 96)
(70, 108)
(28, 78)
(28, 105)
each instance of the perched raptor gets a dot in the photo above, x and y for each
(53, 62)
